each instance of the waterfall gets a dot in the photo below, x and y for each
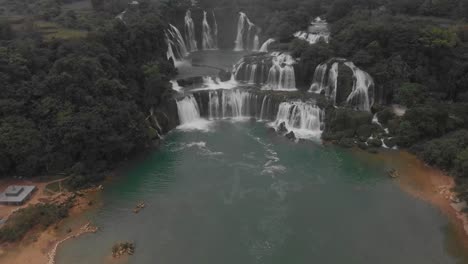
(326, 80)
(253, 70)
(215, 30)
(231, 104)
(241, 30)
(318, 30)
(188, 110)
(319, 81)
(122, 15)
(176, 86)
(189, 115)
(275, 71)
(190, 32)
(235, 104)
(170, 53)
(265, 45)
(305, 119)
(256, 43)
(281, 75)
(208, 38)
(363, 82)
(176, 48)
(264, 108)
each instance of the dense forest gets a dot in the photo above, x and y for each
(82, 104)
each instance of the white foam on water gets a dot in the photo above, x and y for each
(176, 87)
(200, 124)
(210, 83)
(201, 146)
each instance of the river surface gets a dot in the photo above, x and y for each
(233, 192)
(237, 193)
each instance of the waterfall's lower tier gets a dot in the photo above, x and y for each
(222, 104)
(305, 119)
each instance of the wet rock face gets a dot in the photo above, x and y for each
(282, 128)
(166, 115)
(345, 84)
(291, 136)
(224, 76)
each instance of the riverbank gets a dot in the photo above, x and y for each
(40, 246)
(429, 184)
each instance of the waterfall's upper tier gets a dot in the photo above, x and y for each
(247, 34)
(176, 48)
(318, 30)
(344, 83)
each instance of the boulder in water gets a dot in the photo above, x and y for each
(224, 75)
(291, 135)
(282, 128)
(375, 142)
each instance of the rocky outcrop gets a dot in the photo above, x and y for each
(190, 81)
(282, 128)
(224, 75)
(345, 84)
(291, 136)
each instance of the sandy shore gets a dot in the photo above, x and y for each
(39, 247)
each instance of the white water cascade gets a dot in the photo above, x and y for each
(208, 36)
(231, 103)
(256, 43)
(281, 75)
(188, 110)
(326, 80)
(264, 47)
(244, 28)
(305, 119)
(215, 30)
(318, 30)
(190, 32)
(363, 82)
(176, 48)
(175, 86)
(189, 114)
(274, 71)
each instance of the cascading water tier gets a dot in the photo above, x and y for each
(190, 32)
(245, 29)
(266, 44)
(305, 119)
(209, 36)
(274, 71)
(176, 48)
(318, 30)
(357, 91)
